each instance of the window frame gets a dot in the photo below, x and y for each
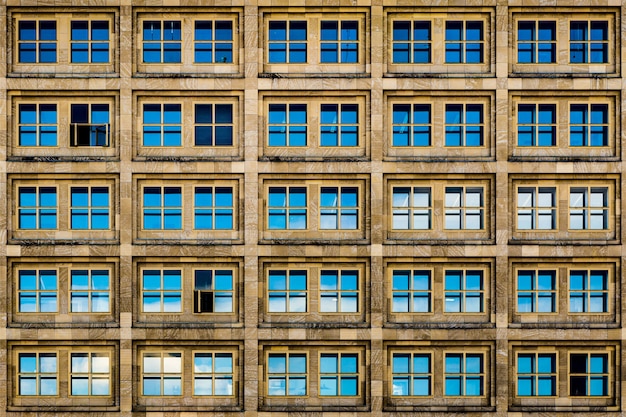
(64, 314)
(62, 231)
(188, 150)
(438, 64)
(313, 43)
(561, 231)
(438, 233)
(314, 149)
(187, 316)
(313, 187)
(563, 65)
(437, 350)
(63, 399)
(63, 149)
(187, 19)
(312, 398)
(438, 102)
(563, 352)
(438, 316)
(562, 149)
(63, 65)
(187, 231)
(562, 316)
(314, 293)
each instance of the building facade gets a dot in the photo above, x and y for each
(317, 208)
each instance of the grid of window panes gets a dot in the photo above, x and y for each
(464, 291)
(536, 374)
(213, 374)
(411, 374)
(339, 291)
(464, 374)
(411, 291)
(37, 41)
(90, 374)
(213, 291)
(90, 291)
(287, 291)
(37, 291)
(213, 41)
(588, 291)
(536, 291)
(339, 374)
(37, 374)
(536, 42)
(161, 291)
(412, 42)
(90, 41)
(287, 374)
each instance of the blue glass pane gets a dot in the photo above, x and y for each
(577, 280)
(277, 31)
(80, 30)
(27, 30)
(526, 31)
(152, 197)
(454, 31)
(329, 30)
(47, 31)
(100, 113)
(99, 30)
(453, 280)
(297, 197)
(401, 53)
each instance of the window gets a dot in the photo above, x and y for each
(411, 125)
(213, 291)
(194, 43)
(588, 291)
(287, 291)
(536, 374)
(321, 127)
(287, 208)
(37, 41)
(162, 208)
(63, 127)
(71, 377)
(339, 374)
(188, 208)
(161, 41)
(589, 42)
(213, 208)
(194, 127)
(464, 125)
(423, 127)
(314, 208)
(536, 291)
(464, 375)
(64, 209)
(298, 293)
(37, 374)
(37, 208)
(66, 292)
(213, 374)
(411, 291)
(161, 291)
(339, 41)
(585, 44)
(214, 125)
(339, 208)
(438, 208)
(464, 291)
(588, 208)
(589, 125)
(411, 374)
(187, 292)
(435, 374)
(314, 42)
(536, 42)
(589, 374)
(464, 42)
(90, 374)
(161, 374)
(213, 41)
(536, 208)
(564, 127)
(339, 125)
(339, 291)
(90, 125)
(90, 291)
(447, 292)
(37, 125)
(412, 208)
(435, 42)
(287, 374)
(68, 42)
(89, 208)
(37, 291)
(412, 42)
(464, 208)
(588, 213)
(189, 376)
(162, 125)
(287, 125)
(536, 125)
(287, 42)
(583, 377)
(90, 41)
